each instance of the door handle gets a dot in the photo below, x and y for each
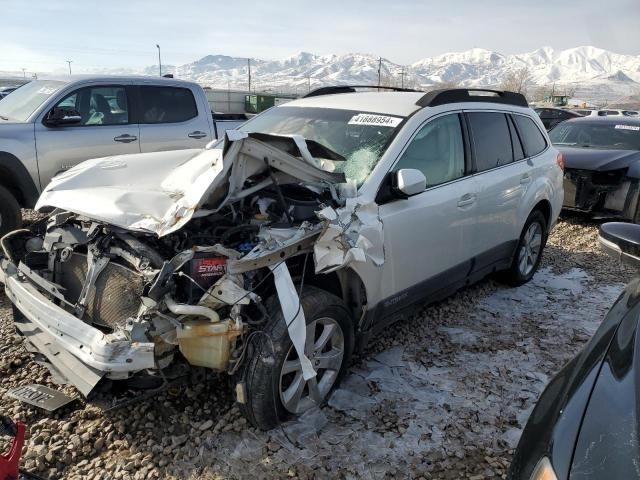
(526, 178)
(467, 199)
(126, 138)
(197, 134)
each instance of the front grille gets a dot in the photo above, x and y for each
(115, 296)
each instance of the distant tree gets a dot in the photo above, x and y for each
(517, 80)
(446, 84)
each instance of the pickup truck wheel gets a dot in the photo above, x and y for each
(275, 388)
(528, 252)
(10, 216)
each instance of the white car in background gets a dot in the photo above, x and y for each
(271, 254)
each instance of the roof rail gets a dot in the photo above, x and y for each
(459, 95)
(351, 89)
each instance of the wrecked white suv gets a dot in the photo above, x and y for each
(273, 253)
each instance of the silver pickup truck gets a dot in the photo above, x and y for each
(48, 126)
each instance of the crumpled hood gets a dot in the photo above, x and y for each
(145, 192)
(159, 192)
(596, 158)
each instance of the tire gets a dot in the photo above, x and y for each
(266, 384)
(10, 215)
(516, 274)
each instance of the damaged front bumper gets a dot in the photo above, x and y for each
(81, 353)
(607, 194)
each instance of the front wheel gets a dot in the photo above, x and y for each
(529, 250)
(274, 386)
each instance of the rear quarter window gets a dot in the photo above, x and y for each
(167, 105)
(532, 138)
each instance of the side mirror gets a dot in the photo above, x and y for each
(407, 182)
(622, 241)
(63, 116)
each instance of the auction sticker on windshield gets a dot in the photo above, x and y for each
(627, 127)
(379, 120)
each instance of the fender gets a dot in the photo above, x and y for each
(14, 177)
(547, 187)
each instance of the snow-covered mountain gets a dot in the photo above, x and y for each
(593, 71)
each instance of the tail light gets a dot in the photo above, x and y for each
(560, 161)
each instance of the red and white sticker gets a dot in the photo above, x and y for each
(376, 120)
(627, 127)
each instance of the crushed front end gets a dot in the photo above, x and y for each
(603, 194)
(122, 294)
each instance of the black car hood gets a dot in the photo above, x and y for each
(554, 425)
(585, 158)
(608, 443)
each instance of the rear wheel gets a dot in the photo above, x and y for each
(10, 216)
(529, 250)
(274, 386)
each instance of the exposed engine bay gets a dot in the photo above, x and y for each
(192, 277)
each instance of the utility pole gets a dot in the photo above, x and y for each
(24, 73)
(249, 70)
(159, 60)
(379, 69)
(308, 83)
(69, 62)
(402, 75)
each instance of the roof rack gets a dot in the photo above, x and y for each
(351, 89)
(459, 95)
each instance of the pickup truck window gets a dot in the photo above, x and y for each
(167, 105)
(103, 105)
(25, 100)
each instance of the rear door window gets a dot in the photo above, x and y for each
(491, 139)
(531, 136)
(516, 145)
(167, 104)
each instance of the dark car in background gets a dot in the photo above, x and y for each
(553, 116)
(602, 165)
(585, 424)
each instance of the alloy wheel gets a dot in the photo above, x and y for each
(530, 249)
(325, 349)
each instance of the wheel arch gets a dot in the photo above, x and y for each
(345, 284)
(544, 206)
(15, 178)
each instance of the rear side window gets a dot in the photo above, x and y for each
(531, 136)
(491, 139)
(167, 105)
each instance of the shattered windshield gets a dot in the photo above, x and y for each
(360, 137)
(603, 135)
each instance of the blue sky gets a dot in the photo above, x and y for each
(41, 35)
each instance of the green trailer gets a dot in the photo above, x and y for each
(258, 103)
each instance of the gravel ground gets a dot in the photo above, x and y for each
(442, 394)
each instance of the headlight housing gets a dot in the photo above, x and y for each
(543, 471)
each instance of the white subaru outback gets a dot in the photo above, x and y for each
(276, 251)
